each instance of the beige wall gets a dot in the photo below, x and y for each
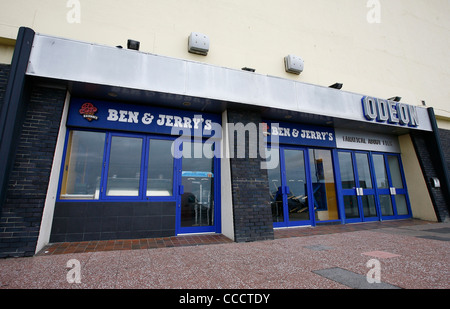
(421, 204)
(406, 54)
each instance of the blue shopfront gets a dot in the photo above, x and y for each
(137, 171)
(329, 175)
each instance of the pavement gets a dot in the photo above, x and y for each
(406, 254)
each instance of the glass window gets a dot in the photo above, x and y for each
(362, 162)
(160, 168)
(386, 205)
(369, 207)
(400, 201)
(324, 189)
(276, 197)
(351, 206)
(297, 195)
(197, 201)
(346, 166)
(394, 168)
(124, 172)
(83, 165)
(380, 171)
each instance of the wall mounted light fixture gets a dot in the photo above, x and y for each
(134, 45)
(395, 99)
(337, 86)
(248, 69)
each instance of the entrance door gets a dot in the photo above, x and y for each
(357, 186)
(289, 189)
(391, 188)
(198, 181)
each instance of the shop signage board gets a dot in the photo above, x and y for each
(367, 141)
(386, 111)
(299, 134)
(96, 114)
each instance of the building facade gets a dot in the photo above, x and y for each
(258, 122)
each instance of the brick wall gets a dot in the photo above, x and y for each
(4, 73)
(426, 153)
(445, 144)
(85, 221)
(251, 206)
(27, 186)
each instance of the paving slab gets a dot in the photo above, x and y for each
(351, 279)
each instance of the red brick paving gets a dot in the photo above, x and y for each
(193, 240)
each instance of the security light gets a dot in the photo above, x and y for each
(337, 86)
(248, 69)
(395, 99)
(134, 45)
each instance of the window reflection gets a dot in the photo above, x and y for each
(365, 178)
(296, 190)
(324, 189)
(346, 167)
(197, 201)
(124, 171)
(160, 168)
(83, 165)
(386, 205)
(380, 171)
(276, 198)
(396, 175)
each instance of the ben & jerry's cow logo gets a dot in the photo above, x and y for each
(88, 111)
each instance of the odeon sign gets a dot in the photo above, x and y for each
(386, 111)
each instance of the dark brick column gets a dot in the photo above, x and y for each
(4, 73)
(28, 181)
(250, 190)
(426, 151)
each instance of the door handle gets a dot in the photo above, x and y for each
(359, 192)
(393, 191)
(181, 189)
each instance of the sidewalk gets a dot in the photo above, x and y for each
(412, 254)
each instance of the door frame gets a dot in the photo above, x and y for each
(285, 188)
(375, 191)
(179, 190)
(392, 191)
(358, 191)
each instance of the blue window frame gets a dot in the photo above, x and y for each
(372, 186)
(123, 163)
(138, 167)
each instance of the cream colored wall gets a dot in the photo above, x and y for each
(406, 54)
(421, 204)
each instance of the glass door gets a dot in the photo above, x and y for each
(357, 186)
(289, 189)
(323, 185)
(196, 207)
(391, 188)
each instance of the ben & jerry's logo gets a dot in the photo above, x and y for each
(88, 111)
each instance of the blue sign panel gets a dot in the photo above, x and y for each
(299, 134)
(141, 118)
